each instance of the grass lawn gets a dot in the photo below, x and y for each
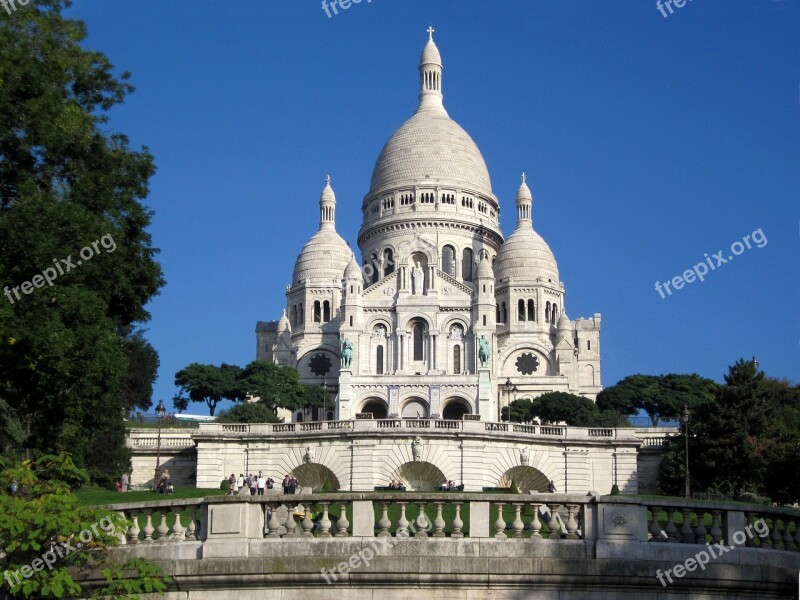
(94, 496)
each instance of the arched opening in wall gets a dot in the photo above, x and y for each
(294, 314)
(521, 310)
(418, 273)
(505, 312)
(547, 313)
(316, 477)
(527, 479)
(420, 476)
(467, 258)
(298, 417)
(415, 408)
(375, 269)
(418, 327)
(589, 375)
(330, 416)
(377, 407)
(326, 311)
(454, 409)
(300, 314)
(379, 360)
(388, 262)
(456, 359)
(449, 260)
(317, 311)
(531, 311)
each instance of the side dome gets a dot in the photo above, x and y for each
(352, 270)
(524, 255)
(430, 146)
(326, 254)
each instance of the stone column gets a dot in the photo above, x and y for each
(485, 404)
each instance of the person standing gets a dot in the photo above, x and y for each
(232, 485)
(124, 481)
(261, 483)
(240, 483)
(293, 483)
(252, 484)
(286, 484)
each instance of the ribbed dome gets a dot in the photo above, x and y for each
(430, 54)
(352, 271)
(324, 256)
(525, 256)
(431, 146)
(484, 269)
(283, 322)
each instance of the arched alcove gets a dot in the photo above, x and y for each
(376, 406)
(455, 408)
(420, 476)
(316, 477)
(527, 479)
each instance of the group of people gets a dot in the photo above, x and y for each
(165, 483)
(123, 483)
(451, 486)
(259, 483)
(397, 485)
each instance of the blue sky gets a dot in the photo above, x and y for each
(648, 142)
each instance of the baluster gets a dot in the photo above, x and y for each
(797, 534)
(272, 522)
(421, 522)
(671, 529)
(457, 522)
(655, 526)
(325, 522)
(500, 524)
(750, 518)
(700, 531)
(163, 530)
(716, 526)
(775, 536)
(687, 533)
(291, 524)
(402, 523)
(384, 522)
(191, 528)
(438, 522)
(572, 522)
(133, 532)
(307, 523)
(555, 529)
(536, 524)
(788, 541)
(123, 529)
(342, 524)
(178, 531)
(148, 526)
(517, 526)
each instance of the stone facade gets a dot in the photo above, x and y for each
(401, 334)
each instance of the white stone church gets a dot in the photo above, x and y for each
(401, 334)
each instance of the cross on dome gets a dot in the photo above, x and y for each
(523, 177)
(328, 179)
(430, 31)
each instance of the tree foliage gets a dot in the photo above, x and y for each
(743, 440)
(660, 396)
(42, 525)
(210, 384)
(248, 412)
(66, 352)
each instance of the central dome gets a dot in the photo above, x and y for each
(430, 146)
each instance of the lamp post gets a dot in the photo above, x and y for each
(509, 387)
(324, 399)
(161, 410)
(686, 416)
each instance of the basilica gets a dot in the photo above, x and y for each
(443, 316)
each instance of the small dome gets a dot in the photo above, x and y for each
(563, 322)
(324, 256)
(352, 271)
(484, 269)
(430, 54)
(525, 256)
(524, 192)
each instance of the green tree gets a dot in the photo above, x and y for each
(279, 387)
(210, 384)
(65, 182)
(556, 407)
(142, 370)
(660, 396)
(248, 412)
(41, 525)
(521, 411)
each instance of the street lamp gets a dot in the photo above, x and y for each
(509, 387)
(324, 399)
(161, 410)
(686, 416)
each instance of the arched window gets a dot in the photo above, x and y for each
(294, 314)
(531, 311)
(466, 264)
(299, 417)
(588, 344)
(300, 313)
(554, 313)
(521, 310)
(547, 313)
(505, 312)
(379, 361)
(497, 316)
(456, 359)
(449, 260)
(418, 340)
(351, 321)
(376, 268)
(326, 311)
(484, 320)
(388, 262)
(317, 312)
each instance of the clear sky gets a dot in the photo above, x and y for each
(648, 141)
